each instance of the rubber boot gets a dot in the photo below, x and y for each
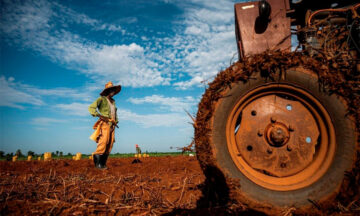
(96, 158)
(102, 161)
(105, 160)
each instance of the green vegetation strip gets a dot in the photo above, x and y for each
(116, 155)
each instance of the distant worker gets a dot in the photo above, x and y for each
(138, 150)
(104, 135)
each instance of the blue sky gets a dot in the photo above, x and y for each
(56, 57)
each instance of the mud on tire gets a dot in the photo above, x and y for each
(215, 151)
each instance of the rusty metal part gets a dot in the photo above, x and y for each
(282, 113)
(281, 160)
(329, 10)
(277, 134)
(255, 35)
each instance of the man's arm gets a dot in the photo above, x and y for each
(93, 107)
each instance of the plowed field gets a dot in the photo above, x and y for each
(172, 185)
(156, 186)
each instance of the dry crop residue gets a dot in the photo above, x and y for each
(65, 187)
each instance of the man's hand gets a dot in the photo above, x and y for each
(105, 119)
(114, 122)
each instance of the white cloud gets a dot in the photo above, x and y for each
(46, 121)
(153, 120)
(129, 20)
(78, 109)
(194, 30)
(207, 42)
(67, 15)
(30, 24)
(195, 81)
(59, 92)
(12, 97)
(15, 94)
(174, 104)
(144, 120)
(203, 44)
(126, 64)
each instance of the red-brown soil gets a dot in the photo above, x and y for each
(156, 186)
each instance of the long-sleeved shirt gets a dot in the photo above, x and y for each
(101, 106)
(112, 108)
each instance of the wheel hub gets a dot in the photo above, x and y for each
(280, 137)
(277, 134)
(287, 126)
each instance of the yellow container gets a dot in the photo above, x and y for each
(73, 157)
(47, 156)
(90, 157)
(39, 158)
(139, 155)
(147, 155)
(144, 155)
(14, 158)
(78, 156)
(29, 158)
(136, 155)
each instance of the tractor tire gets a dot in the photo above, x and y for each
(275, 144)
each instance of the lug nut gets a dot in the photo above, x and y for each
(291, 128)
(289, 148)
(269, 150)
(260, 133)
(273, 119)
(283, 165)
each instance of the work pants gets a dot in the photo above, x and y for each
(106, 139)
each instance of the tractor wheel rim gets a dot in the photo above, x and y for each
(292, 149)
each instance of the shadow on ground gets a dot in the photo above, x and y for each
(215, 198)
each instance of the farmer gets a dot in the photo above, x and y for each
(138, 150)
(104, 135)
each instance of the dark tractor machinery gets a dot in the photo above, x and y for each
(278, 130)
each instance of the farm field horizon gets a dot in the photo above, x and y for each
(85, 156)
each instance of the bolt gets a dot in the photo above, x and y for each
(289, 148)
(273, 119)
(249, 148)
(269, 150)
(283, 165)
(291, 128)
(277, 136)
(260, 133)
(253, 113)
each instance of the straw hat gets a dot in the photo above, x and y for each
(110, 87)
